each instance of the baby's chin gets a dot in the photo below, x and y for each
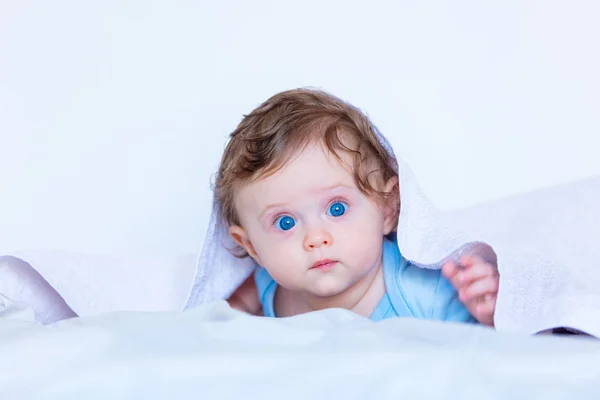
(317, 290)
(326, 289)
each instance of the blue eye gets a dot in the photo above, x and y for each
(285, 223)
(337, 209)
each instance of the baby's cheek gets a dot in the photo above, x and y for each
(281, 261)
(364, 247)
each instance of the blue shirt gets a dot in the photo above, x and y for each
(411, 291)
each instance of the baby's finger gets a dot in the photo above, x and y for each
(484, 310)
(475, 272)
(479, 288)
(468, 261)
(451, 272)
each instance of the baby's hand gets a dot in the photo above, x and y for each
(245, 298)
(477, 284)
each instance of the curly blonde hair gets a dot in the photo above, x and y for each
(286, 124)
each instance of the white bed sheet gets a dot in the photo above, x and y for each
(214, 352)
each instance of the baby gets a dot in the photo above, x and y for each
(311, 194)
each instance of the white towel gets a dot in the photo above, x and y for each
(538, 289)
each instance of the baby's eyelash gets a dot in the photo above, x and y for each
(276, 217)
(337, 199)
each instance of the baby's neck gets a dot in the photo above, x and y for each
(362, 298)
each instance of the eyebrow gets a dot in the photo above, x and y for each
(320, 190)
(269, 208)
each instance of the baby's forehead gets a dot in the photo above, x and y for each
(312, 172)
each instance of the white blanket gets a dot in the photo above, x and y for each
(213, 352)
(554, 233)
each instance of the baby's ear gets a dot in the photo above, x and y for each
(240, 236)
(391, 207)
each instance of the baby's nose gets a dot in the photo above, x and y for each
(316, 239)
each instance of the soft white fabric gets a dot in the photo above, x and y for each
(20, 282)
(554, 277)
(539, 289)
(213, 352)
(61, 284)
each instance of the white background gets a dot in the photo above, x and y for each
(113, 114)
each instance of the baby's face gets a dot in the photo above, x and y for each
(310, 226)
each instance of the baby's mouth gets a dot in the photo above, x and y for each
(323, 265)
